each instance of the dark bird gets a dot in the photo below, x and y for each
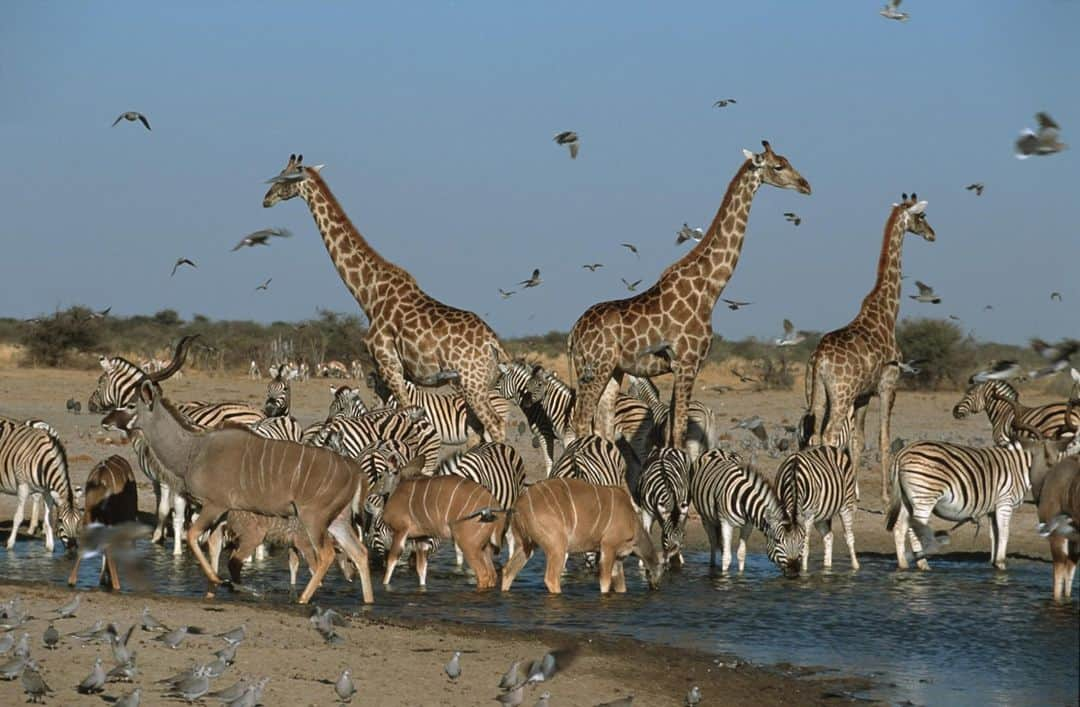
(1059, 355)
(735, 304)
(33, 684)
(988, 308)
(792, 218)
(51, 637)
(593, 266)
(485, 515)
(570, 139)
(1041, 143)
(630, 285)
(265, 285)
(926, 294)
(132, 116)
(182, 261)
(532, 281)
(261, 237)
(632, 248)
(686, 233)
(506, 294)
(977, 187)
(954, 317)
(723, 102)
(1055, 296)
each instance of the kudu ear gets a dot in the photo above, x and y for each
(147, 393)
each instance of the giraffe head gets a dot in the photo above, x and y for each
(775, 169)
(913, 217)
(289, 181)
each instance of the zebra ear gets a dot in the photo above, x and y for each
(106, 363)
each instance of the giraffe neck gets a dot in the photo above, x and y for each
(715, 257)
(360, 267)
(882, 303)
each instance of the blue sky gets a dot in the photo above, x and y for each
(435, 122)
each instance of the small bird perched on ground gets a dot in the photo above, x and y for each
(790, 337)
(977, 187)
(632, 248)
(693, 697)
(593, 266)
(33, 684)
(1041, 143)
(453, 668)
(630, 285)
(570, 139)
(132, 699)
(51, 637)
(532, 281)
(512, 677)
(344, 687)
(233, 636)
(124, 671)
(512, 698)
(132, 116)
(627, 701)
(149, 623)
(261, 237)
(926, 294)
(891, 11)
(735, 304)
(724, 102)
(792, 218)
(95, 681)
(233, 692)
(506, 294)
(174, 638)
(182, 261)
(68, 610)
(191, 689)
(1000, 370)
(543, 701)
(686, 233)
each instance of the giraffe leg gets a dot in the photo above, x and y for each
(605, 410)
(474, 384)
(887, 392)
(588, 396)
(819, 400)
(858, 441)
(681, 391)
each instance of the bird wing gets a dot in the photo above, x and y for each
(924, 289)
(144, 121)
(789, 328)
(573, 150)
(635, 283)
(118, 119)
(1026, 143)
(1046, 122)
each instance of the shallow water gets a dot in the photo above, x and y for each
(960, 634)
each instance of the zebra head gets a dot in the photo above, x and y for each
(68, 521)
(513, 380)
(784, 546)
(979, 396)
(120, 379)
(278, 397)
(346, 401)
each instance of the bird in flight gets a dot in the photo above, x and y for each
(926, 294)
(261, 237)
(976, 187)
(1055, 296)
(988, 308)
(570, 139)
(734, 304)
(182, 261)
(632, 248)
(790, 337)
(743, 378)
(630, 285)
(132, 116)
(911, 367)
(686, 233)
(723, 102)
(265, 285)
(1043, 142)
(532, 281)
(506, 294)
(591, 267)
(891, 11)
(1001, 370)
(792, 218)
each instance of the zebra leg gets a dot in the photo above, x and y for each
(825, 528)
(547, 446)
(646, 522)
(744, 533)
(807, 525)
(260, 552)
(179, 515)
(726, 530)
(1002, 515)
(459, 557)
(847, 517)
(35, 511)
(900, 534)
(923, 516)
(22, 492)
(47, 520)
(161, 496)
(713, 535)
(858, 441)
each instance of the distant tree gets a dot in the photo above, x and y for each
(167, 317)
(949, 355)
(49, 341)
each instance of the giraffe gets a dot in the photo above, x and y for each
(852, 364)
(668, 327)
(411, 335)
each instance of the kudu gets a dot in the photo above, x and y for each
(563, 515)
(234, 469)
(445, 507)
(110, 499)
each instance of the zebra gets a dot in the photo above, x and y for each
(1002, 405)
(450, 414)
(280, 427)
(598, 461)
(33, 460)
(547, 403)
(346, 401)
(278, 397)
(356, 370)
(960, 483)
(408, 426)
(253, 371)
(662, 492)
(815, 485)
(36, 500)
(701, 433)
(495, 466)
(729, 494)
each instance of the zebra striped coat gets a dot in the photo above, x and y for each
(957, 483)
(662, 492)
(408, 426)
(594, 459)
(33, 460)
(814, 486)
(701, 433)
(997, 398)
(278, 397)
(449, 414)
(346, 402)
(728, 494)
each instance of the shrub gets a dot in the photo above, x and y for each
(948, 355)
(52, 341)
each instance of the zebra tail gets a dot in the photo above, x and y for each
(895, 493)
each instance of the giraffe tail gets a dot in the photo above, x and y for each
(807, 424)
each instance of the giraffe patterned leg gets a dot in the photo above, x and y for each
(588, 397)
(681, 392)
(858, 442)
(474, 386)
(605, 410)
(887, 392)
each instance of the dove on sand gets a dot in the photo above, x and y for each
(235, 635)
(131, 699)
(174, 638)
(149, 623)
(926, 294)
(344, 687)
(532, 281)
(51, 637)
(261, 237)
(182, 261)
(233, 692)
(192, 688)
(22, 647)
(693, 697)
(545, 696)
(511, 677)
(69, 609)
(513, 698)
(33, 684)
(627, 701)
(132, 116)
(453, 668)
(1041, 143)
(570, 139)
(95, 681)
(124, 671)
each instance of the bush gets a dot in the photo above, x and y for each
(52, 341)
(948, 355)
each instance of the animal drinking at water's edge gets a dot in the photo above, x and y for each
(110, 499)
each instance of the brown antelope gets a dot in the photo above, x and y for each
(445, 507)
(234, 469)
(244, 531)
(563, 515)
(110, 499)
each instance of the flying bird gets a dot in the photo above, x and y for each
(632, 286)
(506, 294)
(790, 337)
(570, 139)
(132, 116)
(261, 237)
(792, 218)
(891, 11)
(591, 267)
(1059, 355)
(988, 308)
(182, 261)
(954, 317)
(1055, 296)
(265, 285)
(734, 304)
(723, 102)
(686, 233)
(911, 367)
(926, 294)
(632, 248)
(1041, 143)
(532, 281)
(1000, 370)
(977, 187)
(743, 378)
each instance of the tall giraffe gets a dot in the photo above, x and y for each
(668, 328)
(852, 364)
(411, 335)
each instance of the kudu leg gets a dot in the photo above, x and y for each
(556, 562)
(607, 563)
(205, 520)
(618, 576)
(73, 578)
(244, 547)
(325, 558)
(110, 568)
(478, 555)
(347, 540)
(523, 550)
(421, 553)
(393, 554)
